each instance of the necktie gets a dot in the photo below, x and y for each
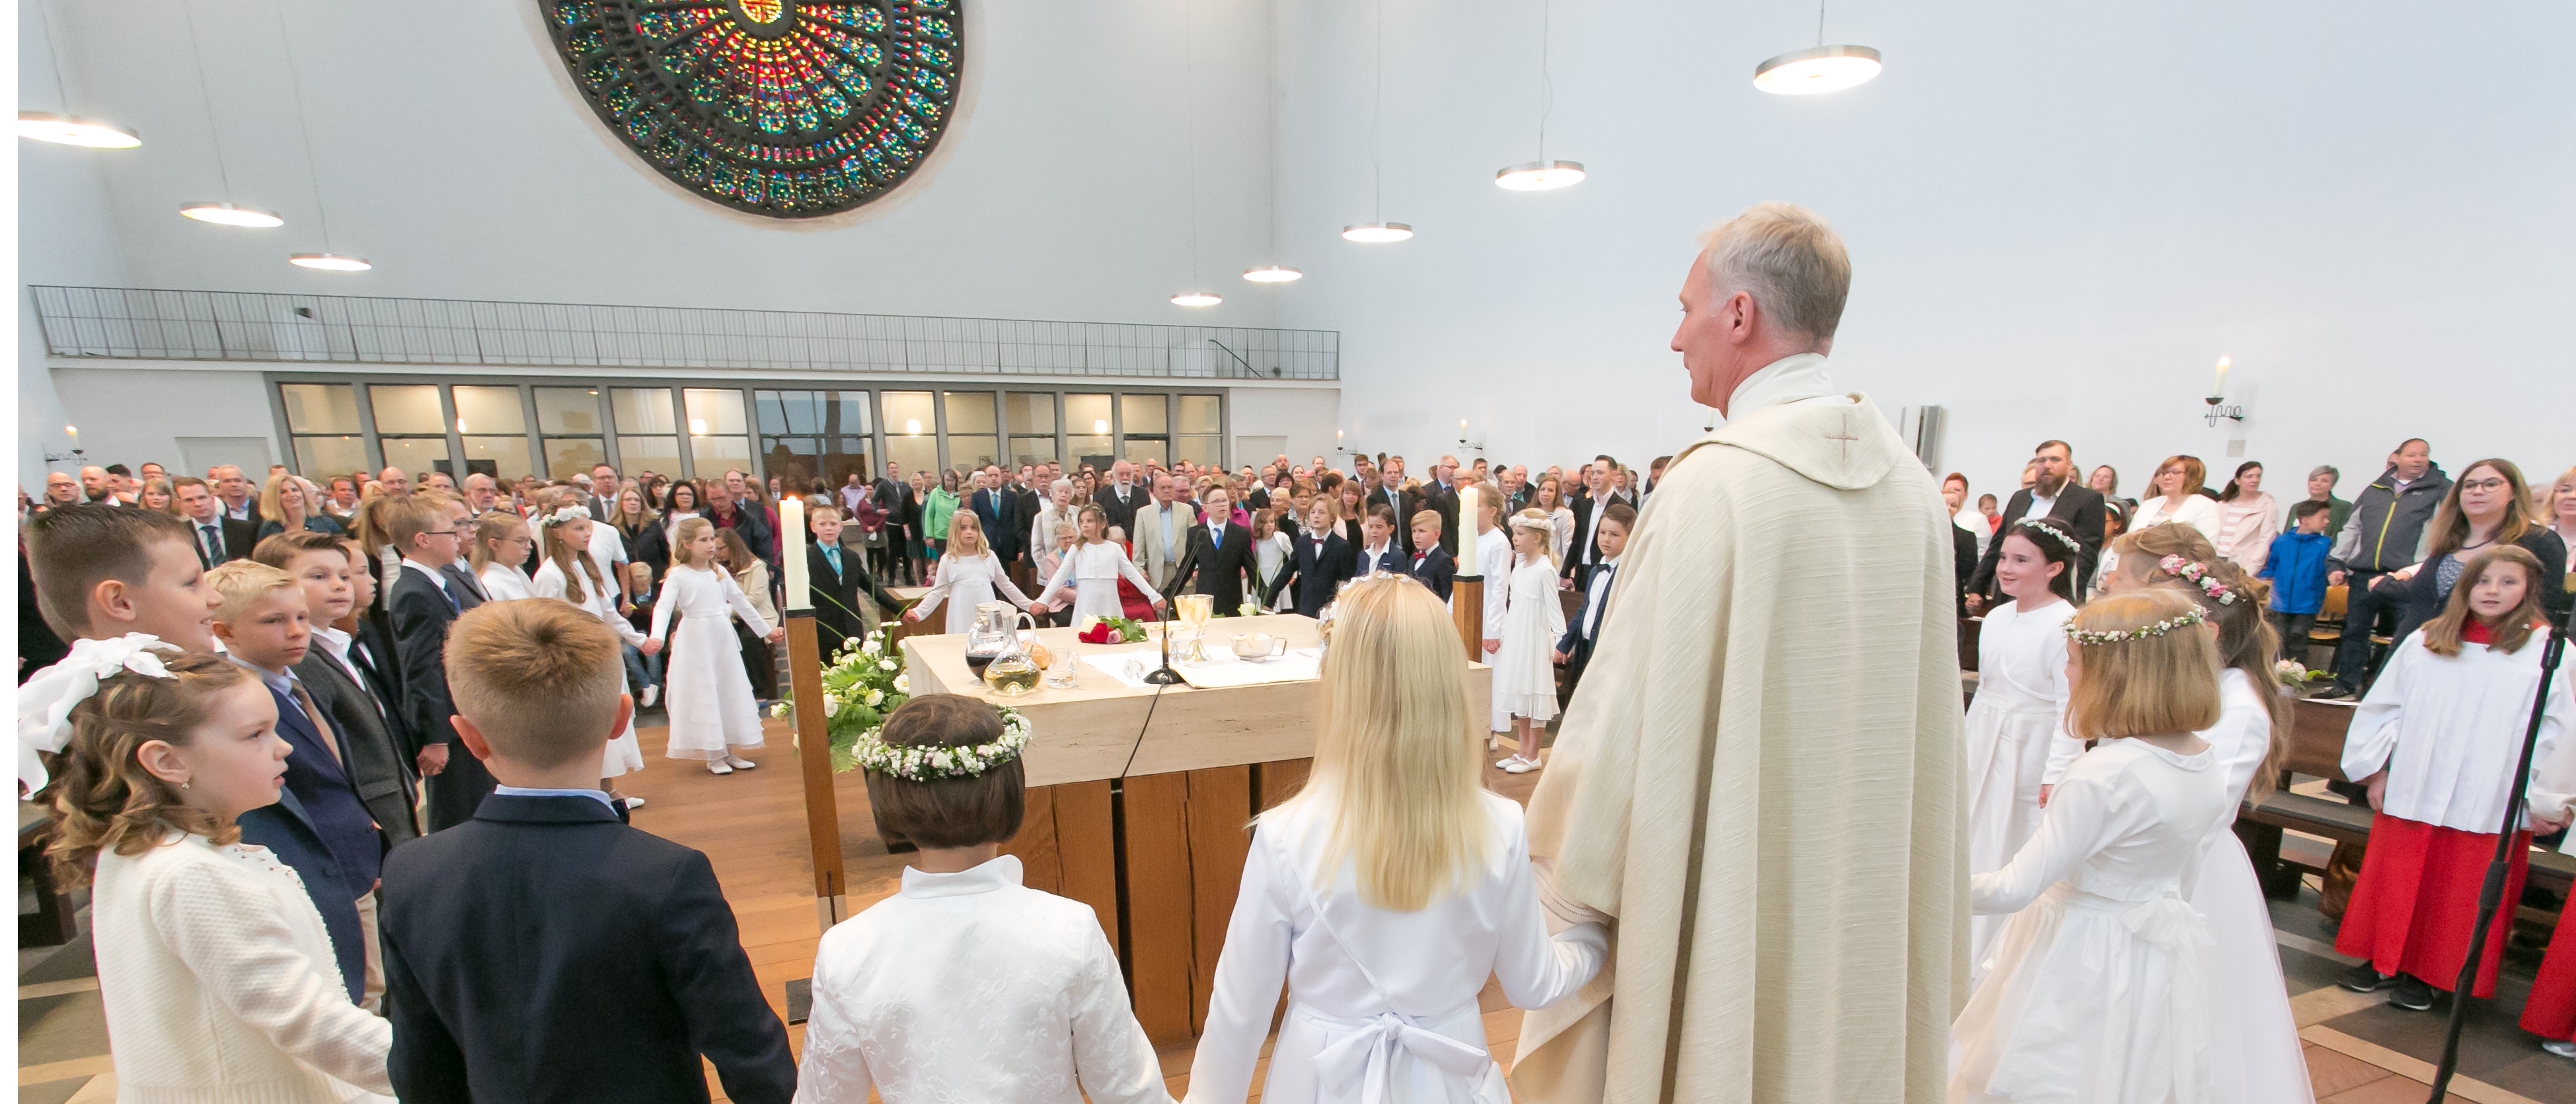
(313, 713)
(832, 556)
(214, 538)
(450, 595)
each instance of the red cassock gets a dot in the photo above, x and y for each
(2417, 902)
(2551, 1011)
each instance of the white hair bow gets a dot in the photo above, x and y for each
(45, 702)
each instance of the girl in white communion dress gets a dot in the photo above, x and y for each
(2095, 993)
(1387, 891)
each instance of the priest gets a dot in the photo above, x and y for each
(1759, 780)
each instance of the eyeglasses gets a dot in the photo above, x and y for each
(440, 533)
(2483, 484)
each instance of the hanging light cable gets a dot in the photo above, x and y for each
(220, 212)
(1381, 230)
(1542, 175)
(1822, 69)
(1190, 150)
(326, 260)
(63, 127)
(1272, 273)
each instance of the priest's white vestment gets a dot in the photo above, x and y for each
(1761, 777)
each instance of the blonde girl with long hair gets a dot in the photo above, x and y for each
(708, 695)
(1388, 890)
(499, 551)
(570, 573)
(2095, 990)
(969, 575)
(1533, 620)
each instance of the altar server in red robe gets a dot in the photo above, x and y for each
(2436, 741)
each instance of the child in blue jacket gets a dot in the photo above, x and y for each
(2297, 568)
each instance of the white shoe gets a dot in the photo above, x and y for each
(632, 803)
(1518, 765)
(2559, 1047)
(717, 766)
(738, 762)
(651, 694)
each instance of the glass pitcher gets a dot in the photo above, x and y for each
(992, 634)
(1012, 671)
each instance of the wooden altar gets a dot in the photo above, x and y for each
(1141, 807)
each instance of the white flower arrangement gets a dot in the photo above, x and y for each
(929, 764)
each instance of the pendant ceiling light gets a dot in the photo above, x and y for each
(1822, 69)
(1542, 175)
(1378, 231)
(1271, 274)
(326, 261)
(62, 127)
(218, 212)
(1190, 150)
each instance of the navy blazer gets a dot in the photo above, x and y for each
(317, 772)
(1001, 519)
(1393, 561)
(543, 951)
(421, 616)
(1435, 568)
(1576, 646)
(1316, 571)
(286, 830)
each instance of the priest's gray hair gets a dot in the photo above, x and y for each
(1788, 259)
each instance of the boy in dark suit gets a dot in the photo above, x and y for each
(262, 623)
(332, 674)
(836, 580)
(425, 602)
(1220, 556)
(1319, 561)
(1574, 649)
(1380, 554)
(544, 951)
(1432, 564)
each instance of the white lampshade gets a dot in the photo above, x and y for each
(1377, 232)
(47, 126)
(330, 262)
(1197, 299)
(227, 214)
(1540, 176)
(1823, 69)
(1271, 274)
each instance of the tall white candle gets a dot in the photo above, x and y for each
(791, 517)
(1466, 553)
(2219, 386)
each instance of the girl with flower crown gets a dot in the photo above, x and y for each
(713, 714)
(966, 984)
(2094, 990)
(1533, 619)
(2017, 725)
(214, 964)
(572, 573)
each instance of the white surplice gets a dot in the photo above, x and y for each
(2095, 995)
(2017, 721)
(2255, 1056)
(2448, 729)
(1375, 997)
(973, 987)
(599, 598)
(1093, 570)
(965, 584)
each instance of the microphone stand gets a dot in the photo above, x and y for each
(1167, 675)
(2491, 893)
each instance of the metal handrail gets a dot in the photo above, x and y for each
(156, 324)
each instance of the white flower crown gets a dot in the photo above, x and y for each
(563, 515)
(2053, 533)
(1519, 522)
(2197, 574)
(2143, 632)
(933, 762)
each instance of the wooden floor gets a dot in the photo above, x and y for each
(751, 824)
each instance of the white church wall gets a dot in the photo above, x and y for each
(2060, 216)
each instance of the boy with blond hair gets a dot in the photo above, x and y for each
(261, 619)
(519, 940)
(426, 599)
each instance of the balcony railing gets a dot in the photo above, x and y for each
(150, 324)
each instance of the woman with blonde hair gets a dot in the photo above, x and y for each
(2095, 990)
(156, 496)
(287, 507)
(1388, 890)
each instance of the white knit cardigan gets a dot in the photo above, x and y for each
(220, 985)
